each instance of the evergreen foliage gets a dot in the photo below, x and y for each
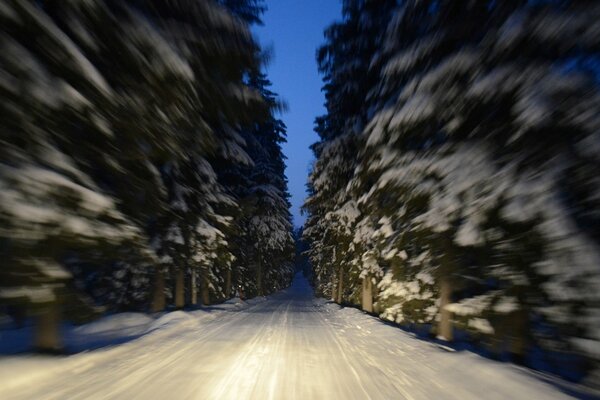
(472, 203)
(118, 121)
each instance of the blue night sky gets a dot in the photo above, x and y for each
(293, 29)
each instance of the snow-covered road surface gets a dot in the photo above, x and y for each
(291, 346)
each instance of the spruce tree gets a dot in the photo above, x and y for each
(117, 117)
(472, 198)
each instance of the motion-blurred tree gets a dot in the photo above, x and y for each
(472, 193)
(113, 120)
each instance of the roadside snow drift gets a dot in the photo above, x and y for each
(289, 346)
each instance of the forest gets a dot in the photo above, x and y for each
(140, 159)
(450, 238)
(456, 188)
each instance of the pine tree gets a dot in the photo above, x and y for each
(116, 118)
(345, 62)
(51, 207)
(472, 193)
(266, 227)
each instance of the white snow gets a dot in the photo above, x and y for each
(289, 346)
(481, 325)
(35, 294)
(122, 324)
(506, 305)
(77, 59)
(472, 305)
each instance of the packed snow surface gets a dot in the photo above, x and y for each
(289, 346)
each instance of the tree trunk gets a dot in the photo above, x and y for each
(445, 325)
(228, 284)
(47, 330)
(179, 288)
(194, 288)
(519, 341)
(158, 301)
(367, 294)
(259, 277)
(333, 286)
(204, 291)
(340, 289)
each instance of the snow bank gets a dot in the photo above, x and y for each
(171, 319)
(292, 347)
(123, 323)
(427, 369)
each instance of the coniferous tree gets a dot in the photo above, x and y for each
(265, 250)
(471, 200)
(345, 62)
(114, 121)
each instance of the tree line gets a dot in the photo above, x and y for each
(140, 159)
(455, 189)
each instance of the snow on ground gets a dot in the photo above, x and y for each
(291, 346)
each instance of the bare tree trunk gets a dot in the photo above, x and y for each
(194, 288)
(333, 286)
(179, 288)
(204, 290)
(519, 341)
(228, 283)
(367, 294)
(47, 330)
(158, 300)
(445, 325)
(259, 277)
(340, 289)
(496, 346)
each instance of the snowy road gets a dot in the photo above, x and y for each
(291, 346)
